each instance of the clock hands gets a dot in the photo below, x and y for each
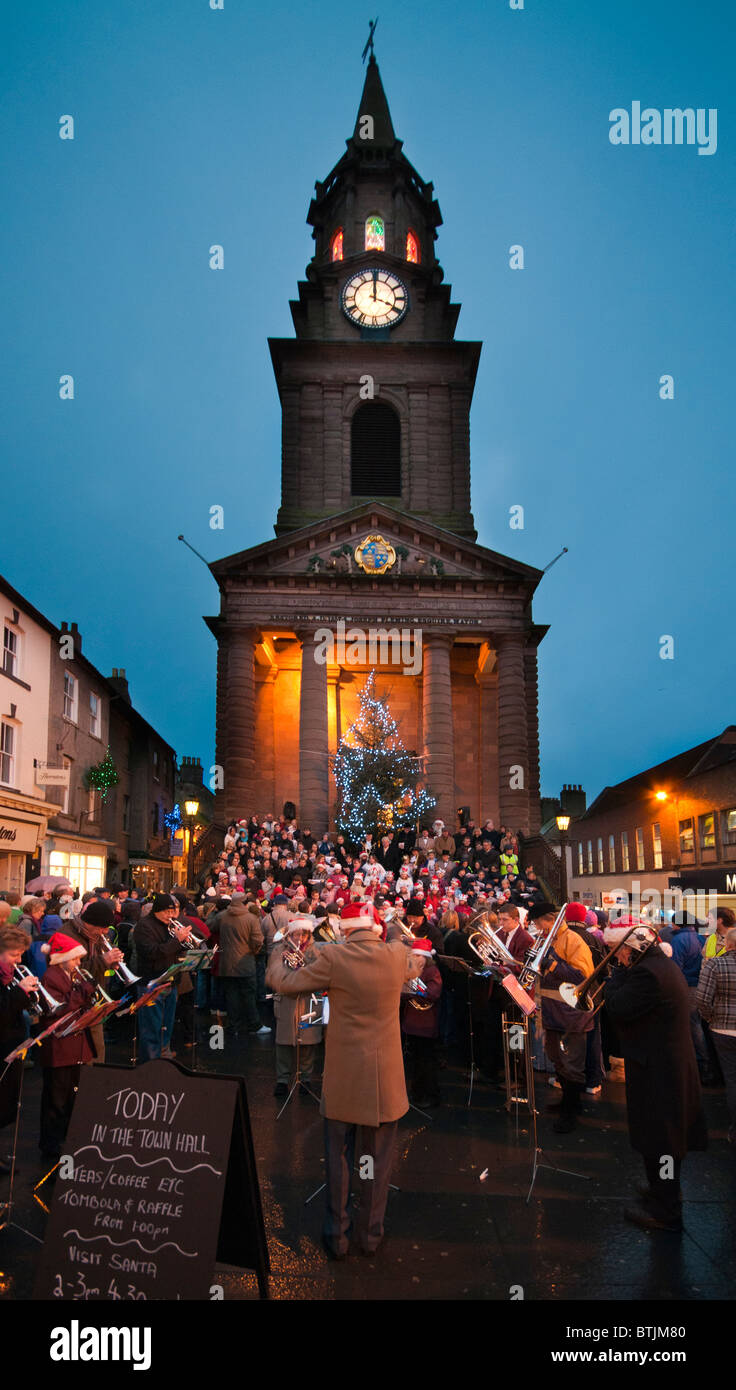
(375, 280)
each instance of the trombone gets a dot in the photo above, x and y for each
(588, 995)
(44, 1003)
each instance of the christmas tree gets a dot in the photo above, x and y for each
(376, 776)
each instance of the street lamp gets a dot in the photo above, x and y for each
(191, 808)
(563, 825)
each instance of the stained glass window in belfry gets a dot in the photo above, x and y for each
(375, 235)
(337, 245)
(412, 248)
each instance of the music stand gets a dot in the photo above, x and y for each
(298, 1073)
(19, 1054)
(194, 961)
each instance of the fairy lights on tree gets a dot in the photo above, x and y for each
(102, 776)
(375, 774)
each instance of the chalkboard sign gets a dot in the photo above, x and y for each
(162, 1183)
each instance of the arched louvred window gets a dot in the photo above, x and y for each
(375, 233)
(336, 245)
(412, 248)
(375, 451)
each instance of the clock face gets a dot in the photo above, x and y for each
(374, 298)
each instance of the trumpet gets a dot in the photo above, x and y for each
(191, 941)
(535, 958)
(84, 977)
(588, 995)
(125, 976)
(44, 1003)
(489, 948)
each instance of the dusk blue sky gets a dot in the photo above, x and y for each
(196, 127)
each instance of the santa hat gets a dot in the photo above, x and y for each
(358, 914)
(644, 936)
(302, 922)
(62, 948)
(576, 912)
(422, 946)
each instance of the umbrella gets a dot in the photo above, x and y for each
(46, 884)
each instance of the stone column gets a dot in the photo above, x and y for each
(513, 745)
(314, 807)
(439, 752)
(487, 680)
(265, 749)
(240, 791)
(532, 719)
(221, 726)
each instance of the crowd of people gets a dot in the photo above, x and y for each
(281, 904)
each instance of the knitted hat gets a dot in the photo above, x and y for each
(98, 914)
(415, 908)
(51, 923)
(576, 912)
(591, 919)
(422, 947)
(541, 910)
(357, 914)
(162, 902)
(62, 948)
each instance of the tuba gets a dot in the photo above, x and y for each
(588, 995)
(489, 948)
(535, 958)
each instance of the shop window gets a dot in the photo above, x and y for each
(625, 851)
(7, 755)
(375, 233)
(337, 245)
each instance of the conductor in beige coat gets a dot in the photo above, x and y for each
(363, 1089)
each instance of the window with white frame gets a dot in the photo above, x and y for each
(7, 755)
(657, 844)
(95, 721)
(639, 833)
(612, 854)
(71, 697)
(728, 827)
(625, 851)
(10, 652)
(600, 855)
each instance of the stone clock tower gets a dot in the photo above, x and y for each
(375, 535)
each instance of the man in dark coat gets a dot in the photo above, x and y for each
(649, 1003)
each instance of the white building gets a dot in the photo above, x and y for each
(24, 722)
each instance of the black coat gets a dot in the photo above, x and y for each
(649, 1006)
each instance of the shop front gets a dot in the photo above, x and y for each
(152, 875)
(22, 828)
(709, 884)
(83, 862)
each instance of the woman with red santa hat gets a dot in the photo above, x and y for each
(62, 1058)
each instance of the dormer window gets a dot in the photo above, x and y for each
(375, 233)
(336, 246)
(412, 248)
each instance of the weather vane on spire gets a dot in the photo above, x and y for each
(369, 46)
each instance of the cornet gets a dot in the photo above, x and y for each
(192, 942)
(83, 976)
(125, 976)
(44, 1003)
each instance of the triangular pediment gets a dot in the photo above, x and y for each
(332, 548)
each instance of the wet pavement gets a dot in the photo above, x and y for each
(452, 1234)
